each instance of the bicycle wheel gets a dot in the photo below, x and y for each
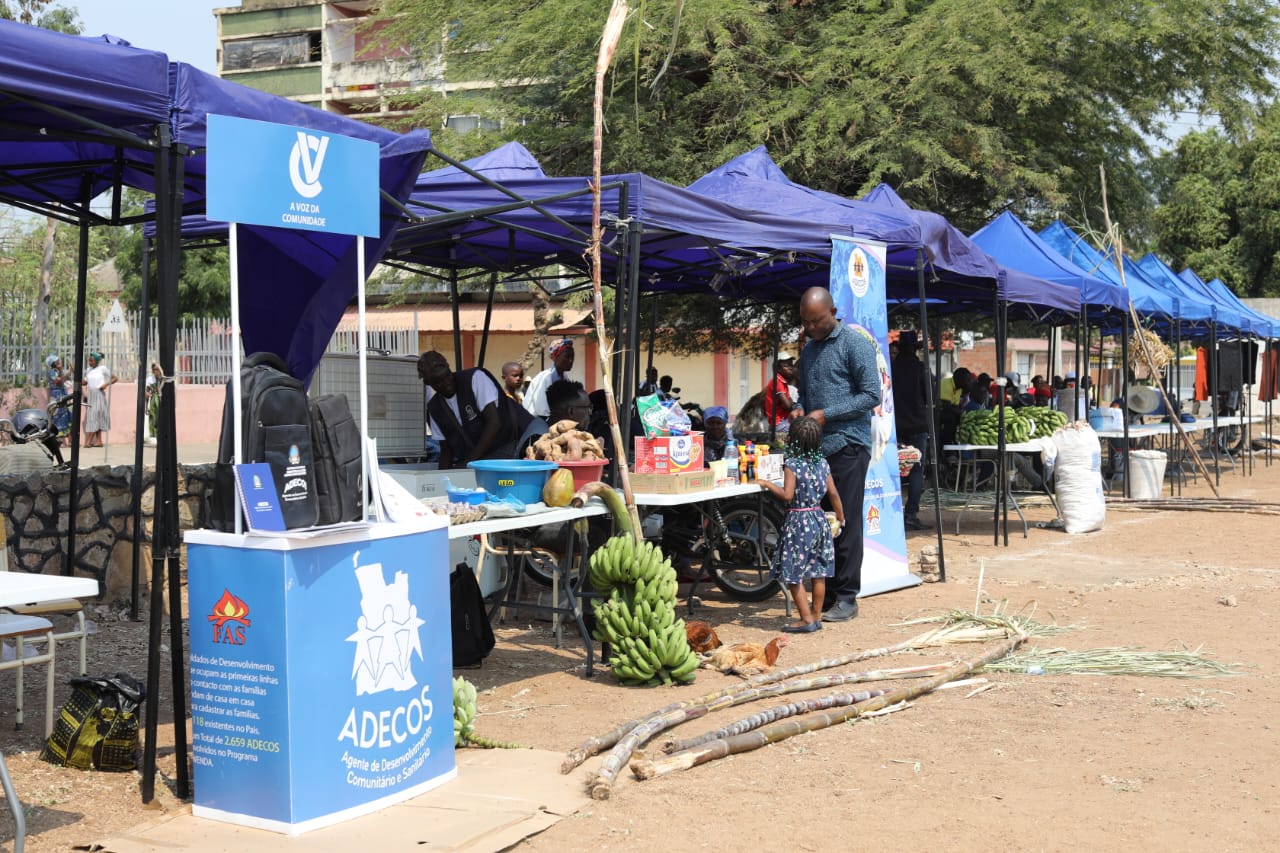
(739, 563)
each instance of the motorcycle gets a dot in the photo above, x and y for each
(36, 425)
(730, 542)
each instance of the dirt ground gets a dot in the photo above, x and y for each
(1035, 762)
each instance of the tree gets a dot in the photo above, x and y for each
(969, 107)
(1219, 206)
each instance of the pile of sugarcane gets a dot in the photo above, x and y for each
(1242, 505)
(770, 725)
(625, 742)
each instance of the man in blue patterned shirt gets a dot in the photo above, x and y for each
(839, 388)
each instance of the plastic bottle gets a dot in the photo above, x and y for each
(751, 463)
(731, 457)
(742, 464)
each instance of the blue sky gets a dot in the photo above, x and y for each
(185, 30)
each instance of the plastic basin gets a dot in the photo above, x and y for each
(521, 479)
(584, 470)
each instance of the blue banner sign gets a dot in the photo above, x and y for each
(858, 290)
(259, 173)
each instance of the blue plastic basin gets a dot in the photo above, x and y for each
(521, 479)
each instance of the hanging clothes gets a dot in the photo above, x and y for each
(1267, 387)
(1202, 374)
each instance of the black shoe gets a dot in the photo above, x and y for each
(843, 611)
(807, 628)
(914, 523)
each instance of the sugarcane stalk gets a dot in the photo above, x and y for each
(780, 731)
(608, 43)
(626, 738)
(759, 719)
(822, 682)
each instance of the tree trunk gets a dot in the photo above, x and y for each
(41, 318)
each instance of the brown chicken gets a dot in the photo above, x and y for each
(702, 637)
(746, 659)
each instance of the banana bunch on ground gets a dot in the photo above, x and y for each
(1047, 421)
(982, 426)
(464, 717)
(636, 614)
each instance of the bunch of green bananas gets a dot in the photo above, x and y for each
(982, 426)
(637, 615)
(1047, 421)
(464, 710)
(464, 717)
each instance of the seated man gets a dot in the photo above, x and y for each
(567, 400)
(469, 413)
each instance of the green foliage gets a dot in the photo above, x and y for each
(969, 107)
(1219, 207)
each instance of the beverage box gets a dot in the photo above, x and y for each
(680, 483)
(669, 454)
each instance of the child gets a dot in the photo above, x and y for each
(806, 550)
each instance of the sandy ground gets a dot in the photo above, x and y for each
(1035, 762)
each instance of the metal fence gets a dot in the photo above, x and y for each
(203, 346)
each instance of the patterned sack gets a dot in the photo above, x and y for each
(97, 728)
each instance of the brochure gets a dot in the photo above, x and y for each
(258, 497)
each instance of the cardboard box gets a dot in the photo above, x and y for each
(669, 454)
(679, 483)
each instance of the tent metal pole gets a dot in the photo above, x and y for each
(144, 310)
(457, 330)
(633, 336)
(488, 316)
(998, 486)
(929, 406)
(1124, 408)
(1214, 365)
(82, 290)
(167, 457)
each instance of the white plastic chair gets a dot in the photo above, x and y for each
(24, 629)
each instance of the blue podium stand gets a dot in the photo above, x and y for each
(321, 672)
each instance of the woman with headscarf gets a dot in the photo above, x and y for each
(715, 421)
(98, 416)
(57, 377)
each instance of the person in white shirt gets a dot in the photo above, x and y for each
(535, 398)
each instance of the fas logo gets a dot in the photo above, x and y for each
(873, 521)
(230, 617)
(306, 159)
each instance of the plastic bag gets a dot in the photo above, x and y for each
(97, 729)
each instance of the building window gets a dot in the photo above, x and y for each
(296, 49)
(468, 123)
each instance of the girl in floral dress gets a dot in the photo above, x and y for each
(806, 550)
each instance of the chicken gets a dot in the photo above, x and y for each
(745, 659)
(702, 637)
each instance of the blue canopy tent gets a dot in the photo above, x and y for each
(1222, 316)
(959, 275)
(81, 117)
(1259, 324)
(1174, 312)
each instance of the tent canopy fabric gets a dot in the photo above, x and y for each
(1012, 243)
(1151, 301)
(1158, 272)
(960, 276)
(80, 116)
(688, 242)
(1259, 324)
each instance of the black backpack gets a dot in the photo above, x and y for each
(472, 635)
(277, 430)
(335, 441)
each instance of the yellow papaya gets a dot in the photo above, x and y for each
(558, 490)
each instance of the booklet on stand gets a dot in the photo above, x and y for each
(258, 497)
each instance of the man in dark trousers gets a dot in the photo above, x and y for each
(839, 388)
(911, 413)
(469, 413)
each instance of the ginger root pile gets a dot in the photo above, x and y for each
(564, 442)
